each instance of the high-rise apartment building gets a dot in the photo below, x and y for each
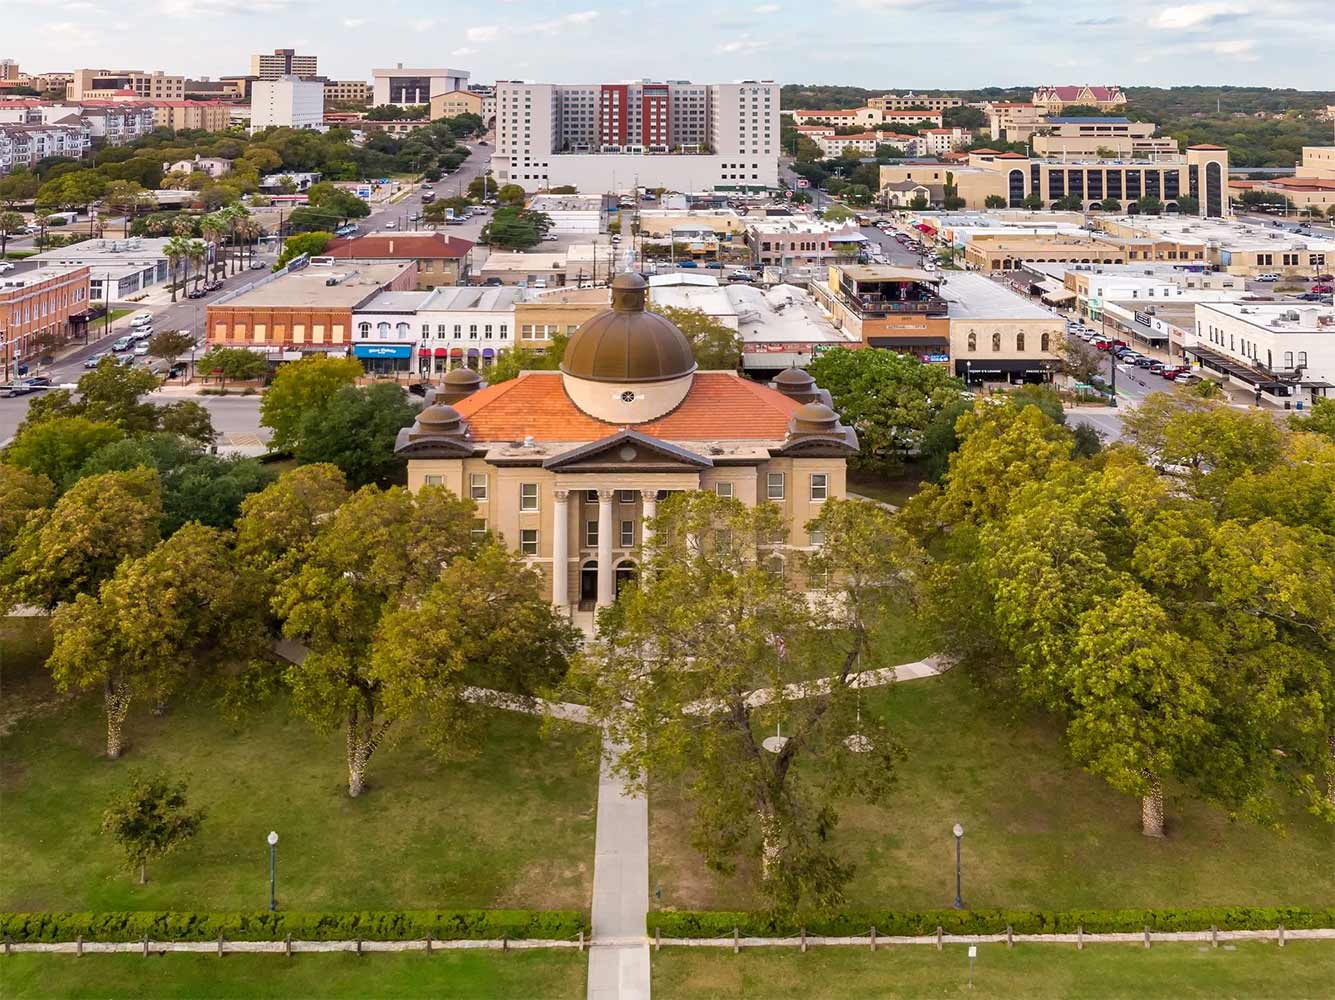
(406, 87)
(101, 83)
(9, 71)
(282, 62)
(288, 102)
(612, 136)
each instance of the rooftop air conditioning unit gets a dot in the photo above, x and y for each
(1290, 315)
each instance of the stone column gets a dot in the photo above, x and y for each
(649, 503)
(561, 548)
(607, 589)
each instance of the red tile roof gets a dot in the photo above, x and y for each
(400, 246)
(719, 407)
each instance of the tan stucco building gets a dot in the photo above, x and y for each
(568, 466)
(455, 103)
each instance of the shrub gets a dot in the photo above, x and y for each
(710, 924)
(377, 925)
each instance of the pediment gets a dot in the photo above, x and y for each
(626, 450)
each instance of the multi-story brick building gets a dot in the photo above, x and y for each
(306, 311)
(912, 101)
(440, 259)
(95, 83)
(606, 137)
(347, 91)
(283, 62)
(39, 307)
(210, 116)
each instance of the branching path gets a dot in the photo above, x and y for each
(619, 951)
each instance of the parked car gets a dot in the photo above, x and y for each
(196, 293)
(25, 386)
(493, 282)
(1172, 372)
(1266, 277)
(1143, 362)
(1187, 378)
(93, 360)
(1323, 289)
(550, 238)
(687, 263)
(391, 225)
(122, 344)
(258, 265)
(141, 348)
(141, 319)
(1323, 277)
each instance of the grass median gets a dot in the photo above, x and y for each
(1303, 970)
(465, 975)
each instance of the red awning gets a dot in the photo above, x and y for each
(442, 352)
(424, 352)
(456, 352)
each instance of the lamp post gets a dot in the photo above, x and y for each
(959, 836)
(273, 860)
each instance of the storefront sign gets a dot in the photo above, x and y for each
(383, 350)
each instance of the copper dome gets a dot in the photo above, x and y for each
(626, 343)
(814, 418)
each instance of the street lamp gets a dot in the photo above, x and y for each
(959, 836)
(273, 859)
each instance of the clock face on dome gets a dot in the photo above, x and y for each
(628, 396)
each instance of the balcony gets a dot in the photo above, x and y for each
(876, 305)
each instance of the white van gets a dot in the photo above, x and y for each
(1267, 277)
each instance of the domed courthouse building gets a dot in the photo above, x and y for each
(567, 466)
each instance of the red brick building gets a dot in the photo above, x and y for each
(440, 259)
(304, 312)
(39, 306)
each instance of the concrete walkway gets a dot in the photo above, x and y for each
(619, 948)
(619, 957)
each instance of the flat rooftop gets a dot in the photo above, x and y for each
(482, 298)
(25, 273)
(105, 251)
(1228, 233)
(308, 288)
(1279, 317)
(972, 296)
(883, 272)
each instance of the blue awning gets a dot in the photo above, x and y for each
(383, 350)
(487, 352)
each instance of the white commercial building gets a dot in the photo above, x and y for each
(780, 326)
(432, 332)
(117, 268)
(1283, 351)
(406, 87)
(614, 137)
(572, 213)
(288, 102)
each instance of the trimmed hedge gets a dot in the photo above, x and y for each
(261, 925)
(716, 924)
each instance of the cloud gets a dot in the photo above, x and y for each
(558, 24)
(740, 46)
(464, 52)
(1097, 22)
(766, 8)
(483, 33)
(353, 22)
(1196, 15)
(72, 32)
(1235, 48)
(196, 8)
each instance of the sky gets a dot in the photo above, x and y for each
(891, 44)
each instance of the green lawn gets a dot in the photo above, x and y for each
(894, 490)
(1303, 970)
(1039, 832)
(465, 975)
(512, 828)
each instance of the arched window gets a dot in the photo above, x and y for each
(1045, 341)
(364, 329)
(973, 341)
(402, 330)
(996, 343)
(382, 329)
(1019, 341)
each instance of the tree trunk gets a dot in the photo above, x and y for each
(1330, 773)
(770, 850)
(356, 756)
(143, 873)
(1151, 809)
(117, 702)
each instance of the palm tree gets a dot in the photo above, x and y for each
(176, 250)
(212, 226)
(250, 231)
(197, 254)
